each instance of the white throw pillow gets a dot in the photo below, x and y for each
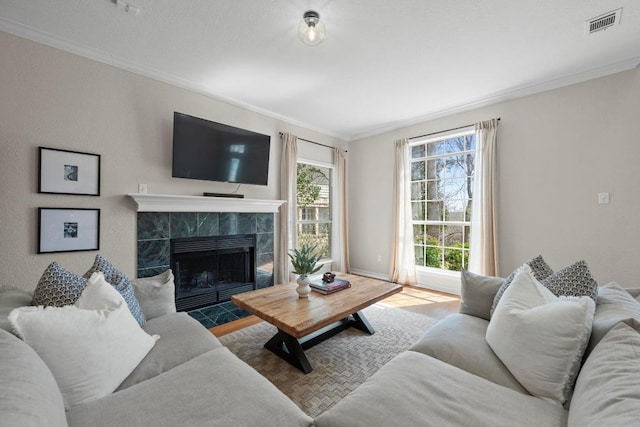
(540, 337)
(91, 346)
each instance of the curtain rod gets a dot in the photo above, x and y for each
(443, 131)
(312, 142)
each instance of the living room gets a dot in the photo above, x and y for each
(561, 142)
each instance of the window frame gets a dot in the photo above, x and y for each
(441, 277)
(332, 207)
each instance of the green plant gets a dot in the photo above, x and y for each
(304, 260)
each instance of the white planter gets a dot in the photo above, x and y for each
(303, 288)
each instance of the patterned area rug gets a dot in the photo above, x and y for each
(340, 363)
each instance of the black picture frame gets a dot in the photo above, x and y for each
(68, 172)
(68, 230)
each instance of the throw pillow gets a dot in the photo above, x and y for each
(90, 347)
(121, 282)
(540, 337)
(540, 269)
(477, 293)
(572, 281)
(156, 294)
(607, 392)
(58, 287)
(614, 305)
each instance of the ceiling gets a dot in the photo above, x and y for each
(384, 63)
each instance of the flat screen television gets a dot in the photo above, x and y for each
(212, 151)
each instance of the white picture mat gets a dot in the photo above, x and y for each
(52, 224)
(52, 168)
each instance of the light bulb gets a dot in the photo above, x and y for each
(311, 30)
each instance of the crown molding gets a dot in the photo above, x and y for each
(47, 39)
(519, 92)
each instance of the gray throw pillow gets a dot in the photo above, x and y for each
(121, 282)
(477, 293)
(156, 294)
(58, 287)
(540, 270)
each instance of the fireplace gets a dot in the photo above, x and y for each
(211, 269)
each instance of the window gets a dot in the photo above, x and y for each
(314, 206)
(442, 172)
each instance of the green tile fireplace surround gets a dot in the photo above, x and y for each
(172, 218)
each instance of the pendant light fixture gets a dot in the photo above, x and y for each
(311, 31)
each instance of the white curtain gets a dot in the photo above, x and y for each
(287, 236)
(483, 247)
(341, 256)
(403, 268)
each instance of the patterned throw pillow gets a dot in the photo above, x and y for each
(573, 281)
(540, 270)
(58, 287)
(121, 282)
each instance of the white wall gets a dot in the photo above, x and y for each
(55, 99)
(556, 151)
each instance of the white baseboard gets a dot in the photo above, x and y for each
(370, 274)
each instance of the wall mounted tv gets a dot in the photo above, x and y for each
(211, 151)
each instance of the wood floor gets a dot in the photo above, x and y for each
(435, 305)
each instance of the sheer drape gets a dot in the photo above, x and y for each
(341, 258)
(483, 246)
(287, 235)
(402, 256)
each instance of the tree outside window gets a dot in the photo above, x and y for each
(314, 218)
(441, 197)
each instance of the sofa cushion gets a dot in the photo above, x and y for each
(120, 282)
(11, 298)
(540, 337)
(459, 340)
(477, 293)
(614, 305)
(90, 347)
(414, 389)
(29, 395)
(183, 338)
(156, 295)
(214, 389)
(540, 269)
(58, 287)
(607, 391)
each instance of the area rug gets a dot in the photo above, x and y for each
(340, 363)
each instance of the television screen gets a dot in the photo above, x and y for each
(211, 151)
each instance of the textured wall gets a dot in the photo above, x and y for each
(55, 99)
(556, 151)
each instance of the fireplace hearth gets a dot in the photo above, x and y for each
(210, 270)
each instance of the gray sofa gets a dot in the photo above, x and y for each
(452, 377)
(187, 379)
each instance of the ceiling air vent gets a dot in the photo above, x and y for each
(603, 21)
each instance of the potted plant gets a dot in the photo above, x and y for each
(304, 263)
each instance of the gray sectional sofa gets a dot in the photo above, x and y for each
(187, 379)
(451, 377)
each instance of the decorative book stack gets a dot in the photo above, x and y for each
(323, 287)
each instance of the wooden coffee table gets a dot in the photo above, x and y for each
(305, 322)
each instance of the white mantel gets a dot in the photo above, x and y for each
(171, 203)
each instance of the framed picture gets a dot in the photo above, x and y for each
(68, 172)
(68, 230)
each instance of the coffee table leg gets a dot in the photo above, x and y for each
(289, 349)
(361, 322)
